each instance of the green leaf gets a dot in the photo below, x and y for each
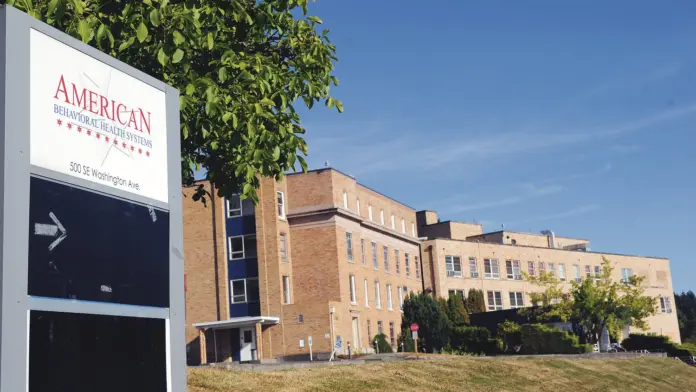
(101, 31)
(234, 121)
(247, 189)
(257, 108)
(52, 7)
(339, 105)
(141, 32)
(210, 41)
(79, 6)
(177, 56)
(267, 102)
(178, 38)
(222, 74)
(162, 57)
(276, 153)
(315, 19)
(190, 89)
(84, 30)
(155, 17)
(226, 117)
(111, 37)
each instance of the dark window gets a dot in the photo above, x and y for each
(247, 336)
(87, 353)
(111, 250)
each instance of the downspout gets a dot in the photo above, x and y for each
(432, 270)
(552, 238)
(215, 250)
(420, 251)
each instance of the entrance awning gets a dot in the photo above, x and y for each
(238, 322)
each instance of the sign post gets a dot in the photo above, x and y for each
(414, 335)
(309, 340)
(91, 220)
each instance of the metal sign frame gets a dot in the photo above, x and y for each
(15, 172)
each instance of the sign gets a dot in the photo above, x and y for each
(94, 122)
(414, 327)
(414, 335)
(309, 340)
(339, 342)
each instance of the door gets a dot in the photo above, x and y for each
(356, 333)
(247, 344)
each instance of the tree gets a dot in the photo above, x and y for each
(239, 65)
(456, 312)
(595, 303)
(475, 302)
(434, 327)
(382, 344)
(686, 314)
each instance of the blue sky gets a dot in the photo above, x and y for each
(575, 116)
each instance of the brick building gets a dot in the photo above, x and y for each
(458, 256)
(319, 256)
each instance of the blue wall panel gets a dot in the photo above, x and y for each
(245, 309)
(243, 268)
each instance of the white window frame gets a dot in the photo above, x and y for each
(345, 200)
(665, 304)
(401, 298)
(385, 254)
(367, 294)
(353, 298)
(407, 264)
(397, 262)
(280, 200)
(577, 276)
(389, 297)
(561, 272)
(473, 272)
(230, 210)
(357, 206)
(513, 272)
(542, 268)
(497, 300)
(362, 251)
(375, 264)
(229, 247)
(283, 240)
(413, 229)
(493, 269)
(246, 290)
(626, 274)
(349, 246)
(516, 299)
(416, 266)
(403, 225)
(286, 290)
(378, 296)
(531, 268)
(381, 217)
(597, 272)
(552, 269)
(369, 212)
(393, 224)
(451, 262)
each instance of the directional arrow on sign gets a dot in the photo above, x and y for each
(49, 230)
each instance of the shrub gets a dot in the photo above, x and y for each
(540, 339)
(475, 340)
(475, 302)
(585, 349)
(636, 341)
(511, 338)
(407, 341)
(382, 343)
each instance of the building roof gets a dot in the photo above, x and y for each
(238, 322)
(522, 232)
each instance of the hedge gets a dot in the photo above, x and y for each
(474, 340)
(636, 341)
(540, 339)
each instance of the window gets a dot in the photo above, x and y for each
(491, 269)
(588, 271)
(626, 274)
(576, 273)
(407, 265)
(245, 290)
(665, 305)
(597, 271)
(378, 296)
(345, 200)
(357, 206)
(561, 272)
(405, 289)
(374, 255)
(381, 217)
(286, 289)
(456, 292)
(392, 222)
(362, 250)
(283, 247)
(413, 229)
(403, 225)
(397, 262)
(542, 268)
(386, 259)
(367, 296)
(369, 211)
(495, 300)
(281, 204)
(234, 206)
(389, 298)
(242, 247)
(453, 265)
(392, 338)
(401, 298)
(349, 246)
(530, 268)
(473, 268)
(516, 299)
(416, 264)
(353, 300)
(379, 328)
(513, 269)
(552, 269)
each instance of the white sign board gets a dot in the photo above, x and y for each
(414, 335)
(91, 121)
(310, 341)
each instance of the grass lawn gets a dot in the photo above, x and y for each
(463, 374)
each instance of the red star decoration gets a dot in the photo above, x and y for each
(98, 136)
(147, 153)
(60, 122)
(132, 148)
(106, 139)
(115, 142)
(79, 129)
(140, 151)
(89, 132)
(124, 145)
(69, 126)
